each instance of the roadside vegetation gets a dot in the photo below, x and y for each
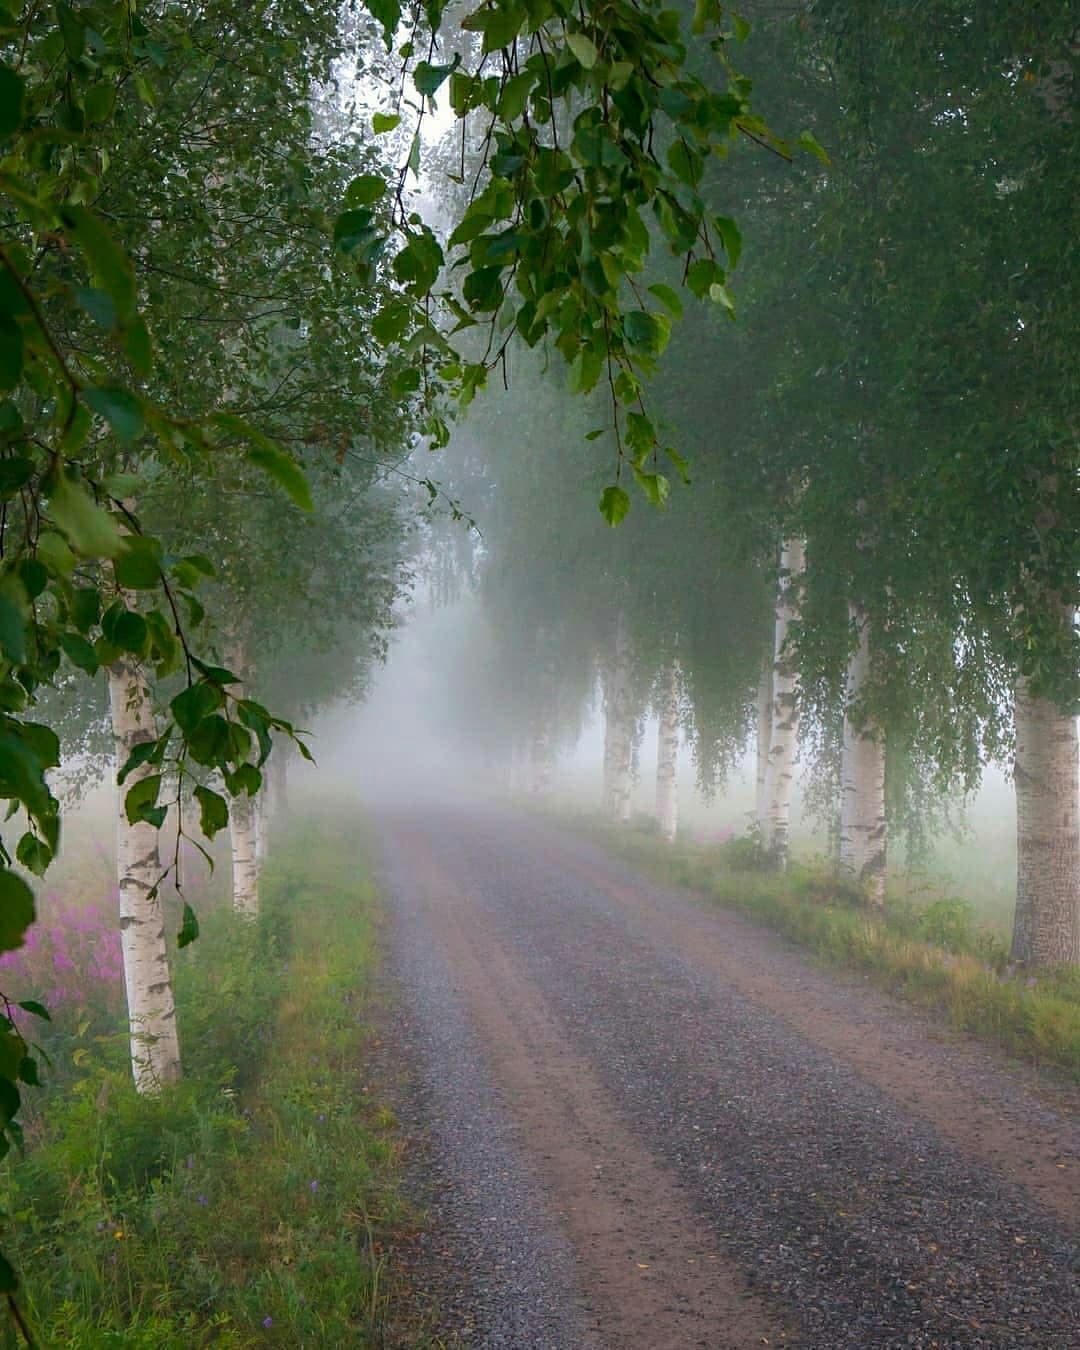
(938, 954)
(250, 1204)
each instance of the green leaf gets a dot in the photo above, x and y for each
(247, 779)
(730, 236)
(73, 30)
(138, 566)
(194, 703)
(189, 927)
(718, 292)
(15, 473)
(807, 141)
(85, 608)
(584, 49)
(129, 632)
(700, 275)
(79, 652)
(388, 14)
(120, 408)
(515, 95)
(383, 122)
(16, 910)
(353, 229)
(140, 801)
(483, 288)
(90, 530)
(10, 1101)
(285, 471)
(649, 332)
(145, 752)
(109, 264)
(429, 78)
(500, 26)
(681, 465)
(368, 188)
(11, 98)
(34, 854)
(99, 305)
(11, 352)
(31, 1005)
(213, 811)
(391, 322)
(668, 297)
(654, 485)
(12, 631)
(209, 742)
(614, 504)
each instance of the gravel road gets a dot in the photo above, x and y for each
(648, 1125)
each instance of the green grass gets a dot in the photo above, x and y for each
(251, 1205)
(936, 955)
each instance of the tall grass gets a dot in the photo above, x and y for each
(250, 1205)
(937, 955)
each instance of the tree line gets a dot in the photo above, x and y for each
(874, 565)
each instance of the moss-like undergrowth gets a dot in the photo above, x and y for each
(251, 1204)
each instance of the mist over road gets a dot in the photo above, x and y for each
(653, 1126)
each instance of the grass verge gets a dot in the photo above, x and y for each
(934, 955)
(247, 1206)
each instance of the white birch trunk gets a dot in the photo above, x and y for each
(618, 730)
(245, 856)
(155, 1045)
(863, 831)
(764, 742)
(243, 819)
(1046, 929)
(783, 743)
(667, 758)
(262, 827)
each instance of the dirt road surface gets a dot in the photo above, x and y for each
(649, 1125)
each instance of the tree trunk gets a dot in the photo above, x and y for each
(155, 1045)
(863, 832)
(540, 764)
(277, 785)
(764, 741)
(667, 757)
(618, 730)
(245, 856)
(243, 817)
(783, 744)
(262, 826)
(1046, 930)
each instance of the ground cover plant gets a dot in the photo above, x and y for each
(250, 1204)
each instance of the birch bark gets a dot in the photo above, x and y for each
(667, 757)
(863, 829)
(243, 818)
(764, 741)
(618, 730)
(155, 1045)
(783, 742)
(1046, 929)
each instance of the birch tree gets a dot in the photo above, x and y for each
(783, 746)
(862, 775)
(151, 1009)
(667, 756)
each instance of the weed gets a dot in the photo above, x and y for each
(248, 1206)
